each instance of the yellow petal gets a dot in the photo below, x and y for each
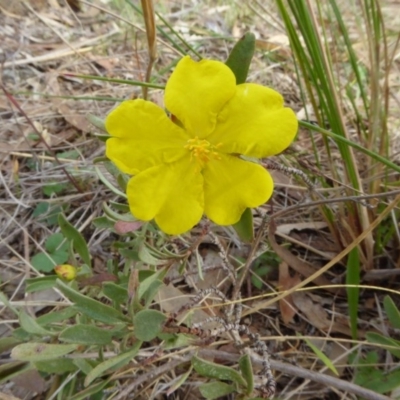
(231, 186)
(142, 136)
(196, 92)
(255, 123)
(171, 193)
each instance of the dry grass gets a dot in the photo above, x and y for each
(43, 44)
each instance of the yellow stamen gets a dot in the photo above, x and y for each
(202, 150)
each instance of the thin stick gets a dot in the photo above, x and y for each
(314, 376)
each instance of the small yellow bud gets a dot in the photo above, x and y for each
(66, 271)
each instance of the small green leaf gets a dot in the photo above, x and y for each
(215, 390)
(30, 325)
(115, 292)
(54, 188)
(41, 351)
(78, 242)
(392, 312)
(148, 324)
(97, 122)
(86, 335)
(7, 343)
(57, 316)
(147, 257)
(46, 262)
(58, 366)
(151, 292)
(103, 222)
(90, 391)
(69, 155)
(217, 371)
(393, 346)
(55, 242)
(148, 282)
(370, 377)
(40, 209)
(322, 357)
(247, 371)
(240, 57)
(40, 283)
(90, 307)
(244, 227)
(112, 363)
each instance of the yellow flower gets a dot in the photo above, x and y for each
(189, 165)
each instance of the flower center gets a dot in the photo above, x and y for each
(202, 150)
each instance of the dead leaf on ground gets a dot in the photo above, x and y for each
(318, 317)
(171, 299)
(31, 380)
(286, 282)
(300, 266)
(314, 312)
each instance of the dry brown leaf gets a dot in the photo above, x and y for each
(171, 299)
(122, 227)
(285, 229)
(286, 305)
(300, 266)
(318, 317)
(314, 312)
(78, 121)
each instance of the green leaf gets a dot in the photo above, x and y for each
(61, 315)
(240, 57)
(148, 324)
(113, 363)
(392, 312)
(55, 242)
(393, 346)
(103, 222)
(7, 343)
(90, 307)
(247, 371)
(40, 209)
(217, 371)
(97, 122)
(78, 242)
(148, 282)
(151, 292)
(115, 292)
(69, 155)
(370, 377)
(41, 283)
(147, 257)
(215, 390)
(58, 366)
(90, 391)
(244, 227)
(41, 351)
(30, 325)
(54, 188)
(322, 357)
(46, 262)
(86, 335)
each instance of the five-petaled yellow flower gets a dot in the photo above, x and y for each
(189, 165)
